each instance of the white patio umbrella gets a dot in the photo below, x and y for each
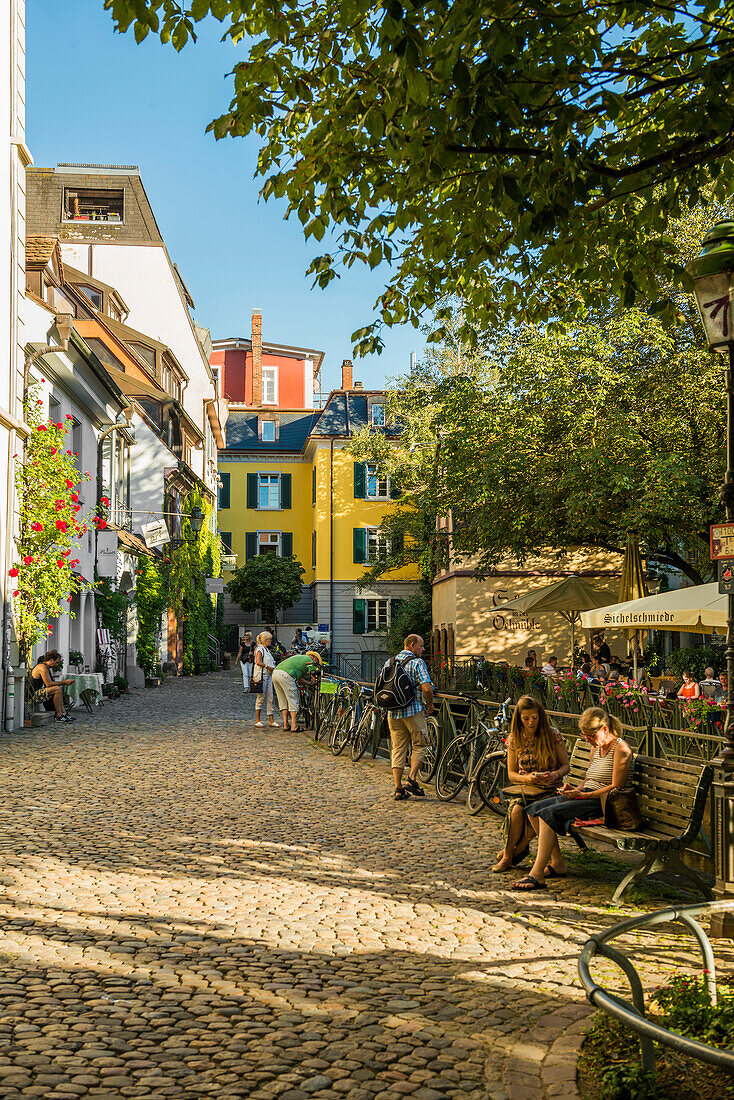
(568, 597)
(697, 610)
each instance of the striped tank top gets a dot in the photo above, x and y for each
(599, 772)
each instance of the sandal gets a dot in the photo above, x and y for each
(401, 794)
(520, 856)
(259, 725)
(414, 788)
(550, 872)
(528, 884)
(502, 870)
(298, 729)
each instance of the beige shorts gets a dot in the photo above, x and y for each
(286, 690)
(404, 730)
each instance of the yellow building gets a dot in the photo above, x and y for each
(290, 486)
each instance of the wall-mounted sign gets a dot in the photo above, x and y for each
(156, 533)
(107, 553)
(214, 585)
(229, 562)
(726, 577)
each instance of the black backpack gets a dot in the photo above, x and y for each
(394, 688)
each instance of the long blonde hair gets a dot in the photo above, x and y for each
(595, 717)
(545, 751)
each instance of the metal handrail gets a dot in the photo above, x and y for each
(633, 1015)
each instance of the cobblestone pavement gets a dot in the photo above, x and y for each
(192, 907)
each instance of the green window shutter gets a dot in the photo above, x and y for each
(285, 490)
(395, 491)
(252, 490)
(250, 545)
(224, 491)
(286, 544)
(360, 545)
(360, 481)
(313, 485)
(359, 616)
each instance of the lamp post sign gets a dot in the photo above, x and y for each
(722, 541)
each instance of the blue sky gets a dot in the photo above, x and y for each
(94, 96)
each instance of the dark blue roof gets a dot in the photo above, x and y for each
(295, 427)
(343, 414)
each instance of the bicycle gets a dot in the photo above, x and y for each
(307, 703)
(480, 750)
(346, 717)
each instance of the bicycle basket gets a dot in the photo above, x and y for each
(328, 687)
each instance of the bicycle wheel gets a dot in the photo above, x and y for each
(429, 763)
(453, 766)
(342, 731)
(474, 801)
(365, 732)
(491, 780)
(323, 707)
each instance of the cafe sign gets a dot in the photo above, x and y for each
(722, 541)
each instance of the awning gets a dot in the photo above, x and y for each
(698, 609)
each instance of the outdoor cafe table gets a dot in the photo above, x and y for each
(81, 681)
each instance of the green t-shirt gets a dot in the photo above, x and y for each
(298, 665)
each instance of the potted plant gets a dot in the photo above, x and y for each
(76, 658)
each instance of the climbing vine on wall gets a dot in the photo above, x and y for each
(151, 595)
(197, 558)
(112, 609)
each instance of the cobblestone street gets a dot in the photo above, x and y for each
(192, 907)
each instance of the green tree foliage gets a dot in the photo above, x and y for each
(412, 617)
(197, 558)
(528, 158)
(268, 583)
(551, 439)
(151, 597)
(50, 525)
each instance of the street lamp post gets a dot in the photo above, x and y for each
(713, 277)
(196, 520)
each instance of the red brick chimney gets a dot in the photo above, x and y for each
(257, 358)
(347, 374)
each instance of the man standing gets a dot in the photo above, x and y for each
(409, 723)
(285, 683)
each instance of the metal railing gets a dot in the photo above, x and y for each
(633, 1015)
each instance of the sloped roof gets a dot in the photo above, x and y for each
(295, 428)
(39, 250)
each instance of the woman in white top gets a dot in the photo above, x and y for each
(263, 673)
(609, 768)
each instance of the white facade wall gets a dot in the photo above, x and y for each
(145, 278)
(67, 385)
(148, 461)
(12, 286)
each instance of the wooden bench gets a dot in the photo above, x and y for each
(672, 798)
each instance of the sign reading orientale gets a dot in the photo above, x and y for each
(722, 541)
(214, 585)
(155, 533)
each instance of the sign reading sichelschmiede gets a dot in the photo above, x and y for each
(155, 533)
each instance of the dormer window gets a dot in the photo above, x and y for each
(93, 204)
(377, 415)
(94, 295)
(268, 430)
(146, 353)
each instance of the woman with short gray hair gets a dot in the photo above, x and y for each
(263, 674)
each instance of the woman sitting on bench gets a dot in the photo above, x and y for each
(41, 681)
(609, 768)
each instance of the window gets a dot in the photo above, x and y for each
(313, 485)
(270, 386)
(146, 353)
(377, 545)
(267, 491)
(378, 416)
(370, 616)
(225, 537)
(313, 549)
(224, 491)
(267, 431)
(94, 295)
(93, 204)
(268, 542)
(377, 487)
(104, 354)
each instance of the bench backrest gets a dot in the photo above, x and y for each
(672, 794)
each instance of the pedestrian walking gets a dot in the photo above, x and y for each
(285, 681)
(407, 724)
(246, 658)
(262, 674)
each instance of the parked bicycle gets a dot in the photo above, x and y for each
(477, 759)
